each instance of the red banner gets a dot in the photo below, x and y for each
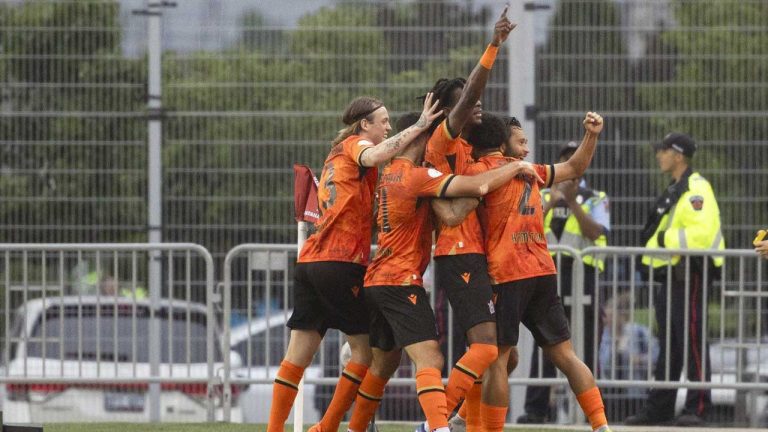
(305, 205)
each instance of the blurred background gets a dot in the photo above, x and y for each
(250, 87)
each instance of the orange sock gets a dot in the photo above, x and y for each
(469, 368)
(493, 417)
(346, 389)
(592, 404)
(368, 398)
(471, 407)
(429, 388)
(283, 394)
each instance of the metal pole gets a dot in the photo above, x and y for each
(298, 406)
(155, 192)
(522, 70)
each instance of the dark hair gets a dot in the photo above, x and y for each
(491, 133)
(443, 92)
(512, 122)
(360, 108)
(407, 120)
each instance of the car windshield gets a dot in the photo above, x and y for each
(110, 332)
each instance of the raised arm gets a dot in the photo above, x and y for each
(389, 148)
(464, 109)
(452, 211)
(575, 166)
(480, 184)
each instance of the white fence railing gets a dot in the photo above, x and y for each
(82, 318)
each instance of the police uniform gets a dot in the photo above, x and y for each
(685, 216)
(562, 228)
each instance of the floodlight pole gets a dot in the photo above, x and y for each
(155, 192)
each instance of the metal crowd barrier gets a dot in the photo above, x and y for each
(258, 280)
(93, 333)
(94, 285)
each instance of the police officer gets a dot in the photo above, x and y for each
(685, 216)
(578, 217)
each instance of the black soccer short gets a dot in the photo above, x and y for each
(399, 316)
(329, 294)
(465, 279)
(535, 303)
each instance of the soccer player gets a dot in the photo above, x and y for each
(331, 266)
(523, 273)
(460, 264)
(400, 315)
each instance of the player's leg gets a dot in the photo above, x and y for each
(428, 361)
(545, 317)
(308, 326)
(581, 380)
(465, 279)
(371, 390)
(301, 348)
(509, 299)
(341, 299)
(495, 392)
(349, 382)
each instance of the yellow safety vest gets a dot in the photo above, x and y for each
(572, 235)
(693, 222)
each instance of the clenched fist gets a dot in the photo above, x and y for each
(593, 122)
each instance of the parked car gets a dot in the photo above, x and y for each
(106, 338)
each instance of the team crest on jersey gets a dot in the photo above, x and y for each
(355, 290)
(434, 173)
(697, 202)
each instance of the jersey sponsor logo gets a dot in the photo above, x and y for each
(355, 290)
(697, 202)
(413, 298)
(434, 173)
(528, 237)
(465, 276)
(396, 177)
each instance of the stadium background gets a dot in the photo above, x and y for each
(249, 88)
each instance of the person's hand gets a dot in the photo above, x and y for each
(762, 249)
(569, 189)
(526, 169)
(593, 122)
(502, 28)
(429, 113)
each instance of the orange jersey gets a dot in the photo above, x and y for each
(405, 227)
(453, 154)
(345, 194)
(512, 219)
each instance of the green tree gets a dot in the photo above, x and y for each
(78, 171)
(719, 79)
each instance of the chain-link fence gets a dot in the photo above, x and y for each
(249, 88)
